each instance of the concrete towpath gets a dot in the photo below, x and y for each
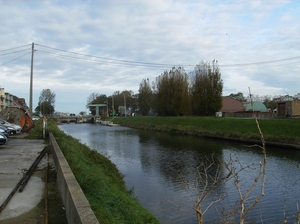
(16, 157)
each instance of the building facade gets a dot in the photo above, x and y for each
(288, 108)
(2, 99)
(9, 100)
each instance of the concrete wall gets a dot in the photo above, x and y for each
(78, 209)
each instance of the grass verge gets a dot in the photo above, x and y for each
(100, 180)
(275, 130)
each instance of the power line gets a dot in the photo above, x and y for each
(172, 65)
(261, 62)
(258, 66)
(110, 59)
(14, 48)
(15, 58)
(129, 63)
(101, 62)
(123, 64)
(15, 52)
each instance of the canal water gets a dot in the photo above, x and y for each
(159, 168)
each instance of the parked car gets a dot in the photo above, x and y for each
(4, 131)
(35, 118)
(13, 128)
(10, 130)
(3, 127)
(3, 139)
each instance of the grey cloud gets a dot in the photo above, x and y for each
(165, 32)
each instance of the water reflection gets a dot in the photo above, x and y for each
(152, 163)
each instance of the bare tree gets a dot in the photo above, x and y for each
(47, 96)
(261, 176)
(92, 97)
(46, 102)
(205, 184)
(208, 176)
(297, 221)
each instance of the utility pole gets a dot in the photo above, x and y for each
(107, 108)
(31, 79)
(113, 106)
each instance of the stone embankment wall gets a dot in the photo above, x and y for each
(78, 209)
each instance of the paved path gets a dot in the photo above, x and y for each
(15, 159)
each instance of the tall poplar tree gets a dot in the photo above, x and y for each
(145, 97)
(171, 91)
(206, 89)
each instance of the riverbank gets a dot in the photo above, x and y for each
(100, 180)
(277, 132)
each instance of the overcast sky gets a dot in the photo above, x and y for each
(84, 47)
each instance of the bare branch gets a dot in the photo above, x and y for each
(178, 207)
(297, 221)
(261, 175)
(207, 178)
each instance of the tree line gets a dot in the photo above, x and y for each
(172, 93)
(115, 105)
(176, 93)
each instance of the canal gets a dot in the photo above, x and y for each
(156, 166)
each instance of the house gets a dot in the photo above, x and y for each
(230, 104)
(9, 100)
(2, 99)
(288, 108)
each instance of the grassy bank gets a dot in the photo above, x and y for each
(99, 179)
(274, 130)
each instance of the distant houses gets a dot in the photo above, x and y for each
(230, 104)
(235, 108)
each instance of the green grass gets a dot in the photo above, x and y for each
(103, 184)
(277, 130)
(100, 180)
